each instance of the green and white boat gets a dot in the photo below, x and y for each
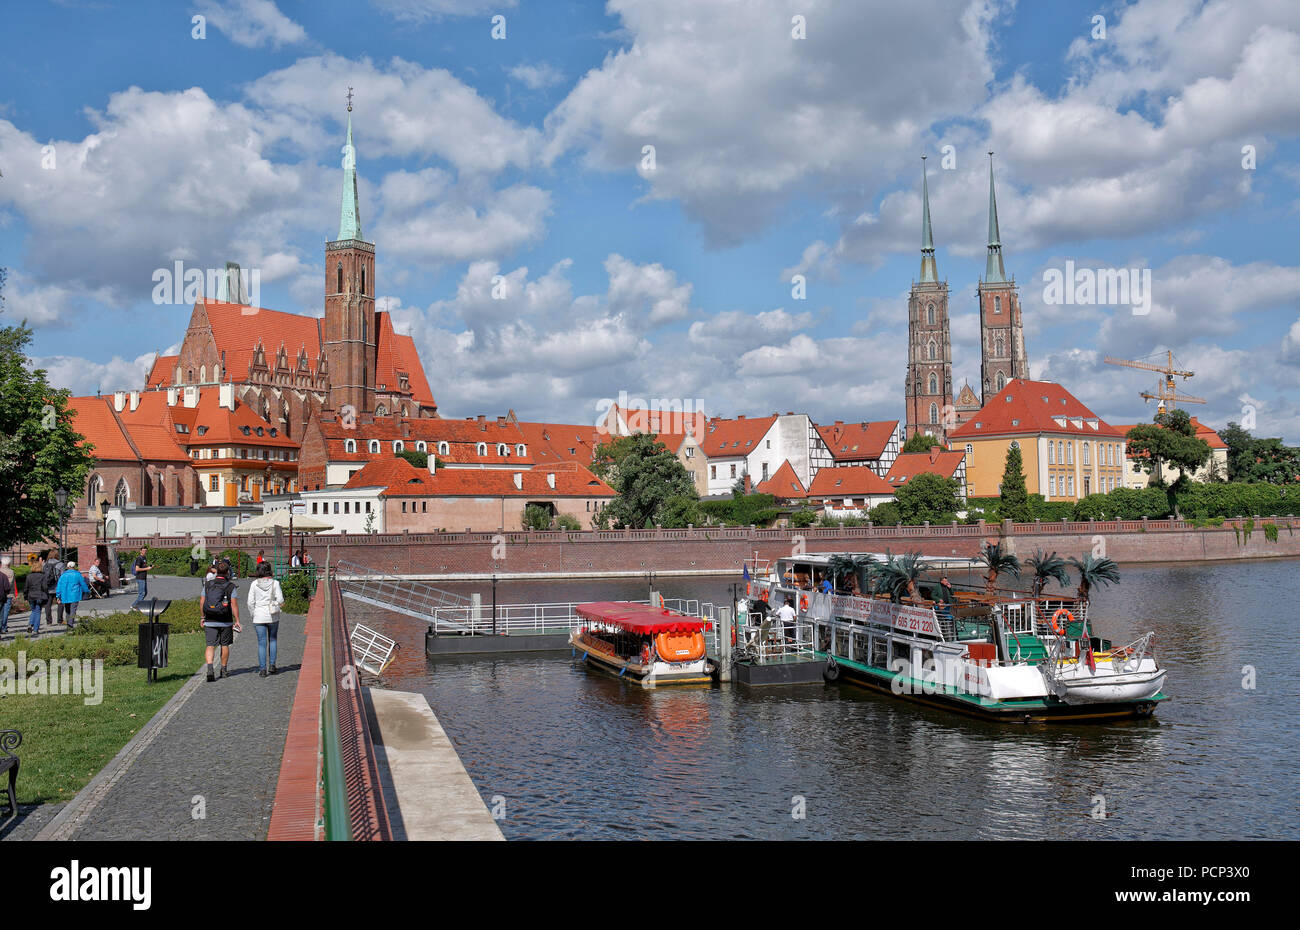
(1007, 656)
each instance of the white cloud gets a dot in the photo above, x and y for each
(421, 11)
(536, 77)
(252, 23)
(83, 376)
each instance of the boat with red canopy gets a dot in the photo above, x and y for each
(651, 645)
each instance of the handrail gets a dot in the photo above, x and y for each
(334, 803)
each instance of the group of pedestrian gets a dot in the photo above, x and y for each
(52, 583)
(220, 606)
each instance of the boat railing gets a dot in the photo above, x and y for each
(512, 619)
(763, 640)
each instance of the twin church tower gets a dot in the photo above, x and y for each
(930, 403)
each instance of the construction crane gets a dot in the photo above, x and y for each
(1167, 394)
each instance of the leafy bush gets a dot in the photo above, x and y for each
(1270, 532)
(298, 589)
(886, 514)
(537, 517)
(803, 517)
(567, 521)
(111, 650)
(183, 615)
(758, 509)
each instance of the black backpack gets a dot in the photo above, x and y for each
(216, 600)
(53, 571)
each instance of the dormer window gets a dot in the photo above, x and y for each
(421, 447)
(374, 446)
(503, 450)
(350, 445)
(481, 448)
(443, 448)
(398, 445)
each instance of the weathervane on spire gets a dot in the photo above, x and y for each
(349, 98)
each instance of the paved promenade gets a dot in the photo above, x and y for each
(164, 587)
(206, 766)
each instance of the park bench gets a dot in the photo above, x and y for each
(9, 741)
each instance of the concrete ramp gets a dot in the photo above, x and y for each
(436, 799)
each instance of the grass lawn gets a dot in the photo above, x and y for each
(66, 742)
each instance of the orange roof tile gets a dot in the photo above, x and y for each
(562, 442)
(1031, 407)
(724, 438)
(396, 354)
(400, 478)
(93, 418)
(238, 329)
(910, 464)
(163, 371)
(784, 484)
(864, 441)
(848, 481)
(208, 423)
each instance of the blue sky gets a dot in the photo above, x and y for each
(522, 157)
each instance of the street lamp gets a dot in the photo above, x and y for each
(61, 498)
(103, 515)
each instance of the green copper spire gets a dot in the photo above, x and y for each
(993, 269)
(929, 271)
(350, 215)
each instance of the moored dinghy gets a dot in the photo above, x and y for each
(651, 646)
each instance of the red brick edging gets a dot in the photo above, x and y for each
(295, 813)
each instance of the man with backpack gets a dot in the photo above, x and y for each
(51, 574)
(220, 606)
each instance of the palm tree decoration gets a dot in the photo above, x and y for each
(840, 568)
(1094, 571)
(898, 575)
(998, 561)
(856, 569)
(1047, 567)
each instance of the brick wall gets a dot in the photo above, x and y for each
(665, 551)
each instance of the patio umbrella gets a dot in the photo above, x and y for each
(267, 523)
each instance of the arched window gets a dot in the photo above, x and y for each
(338, 289)
(970, 448)
(997, 304)
(94, 487)
(999, 346)
(122, 494)
(520, 450)
(929, 314)
(398, 445)
(502, 450)
(1087, 455)
(934, 413)
(443, 448)
(203, 374)
(421, 447)
(363, 280)
(1002, 380)
(482, 448)
(350, 445)
(934, 383)
(381, 410)
(374, 445)
(929, 351)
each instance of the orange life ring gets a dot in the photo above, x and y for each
(1056, 627)
(803, 602)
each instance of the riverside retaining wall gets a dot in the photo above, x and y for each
(723, 549)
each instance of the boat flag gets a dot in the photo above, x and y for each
(744, 571)
(1092, 661)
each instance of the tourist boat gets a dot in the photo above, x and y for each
(651, 646)
(1006, 656)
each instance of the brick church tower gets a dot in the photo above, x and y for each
(1002, 336)
(349, 333)
(928, 389)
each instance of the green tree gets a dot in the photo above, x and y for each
(1013, 499)
(537, 517)
(1169, 442)
(921, 442)
(999, 561)
(681, 511)
(928, 496)
(803, 517)
(1094, 572)
(645, 476)
(1047, 568)
(419, 459)
(886, 514)
(40, 451)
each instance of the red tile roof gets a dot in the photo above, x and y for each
(911, 464)
(163, 371)
(726, 438)
(400, 478)
(93, 418)
(865, 441)
(208, 423)
(1207, 433)
(462, 437)
(850, 481)
(238, 329)
(148, 428)
(562, 442)
(1032, 407)
(784, 484)
(396, 354)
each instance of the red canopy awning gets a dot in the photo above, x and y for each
(638, 618)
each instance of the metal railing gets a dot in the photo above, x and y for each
(419, 599)
(334, 801)
(371, 651)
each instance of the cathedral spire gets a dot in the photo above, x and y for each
(929, 271)
(994, 271)
(349, 215)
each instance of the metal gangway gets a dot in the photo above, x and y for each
(450, 613)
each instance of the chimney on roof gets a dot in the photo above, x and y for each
(119, 400)
(550, 481)
(406, 429)
(839, 422)
(191, 395)
(482, 424)
(226, 396)
(171, 396)
(519, 481)
(934, 454)
(134, 400)
(433, 464)
(740, 416)
(501, 421)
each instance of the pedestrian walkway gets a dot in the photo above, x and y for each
(206, 766)
(163, 587)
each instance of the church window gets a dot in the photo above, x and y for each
(1002, 381)
(997, 304)
(934, 383)
(203, 373)
(929, 314)
(350, 445)
(363, 280)
(339, 275)
(929, 351)
(122, 494)
(934, 413)
(999, 346)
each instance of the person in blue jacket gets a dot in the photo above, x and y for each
(71, 589)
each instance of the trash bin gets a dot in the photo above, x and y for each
(152, 654)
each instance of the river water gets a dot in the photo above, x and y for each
(564, 752)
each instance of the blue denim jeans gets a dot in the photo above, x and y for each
(142, 583)
(265, 632)
(35, 621)
(4, 614)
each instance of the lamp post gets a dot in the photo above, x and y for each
(103, 516)
(61, 498)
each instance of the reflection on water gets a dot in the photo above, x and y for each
(579, 754)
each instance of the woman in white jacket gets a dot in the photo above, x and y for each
(264, 600)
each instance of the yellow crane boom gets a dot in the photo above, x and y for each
(1167, 394)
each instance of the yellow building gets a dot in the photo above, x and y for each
(1069, 452)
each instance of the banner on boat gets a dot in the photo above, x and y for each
(900, 616)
